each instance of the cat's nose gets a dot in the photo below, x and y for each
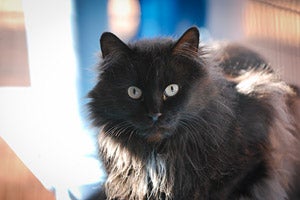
(154, 116)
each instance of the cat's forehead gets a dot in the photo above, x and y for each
(156, 46)
(154, 54)
(153, 57)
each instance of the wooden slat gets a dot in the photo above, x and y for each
(14, 67)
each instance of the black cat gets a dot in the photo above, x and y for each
(184, 122)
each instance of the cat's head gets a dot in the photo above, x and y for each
(145, 88)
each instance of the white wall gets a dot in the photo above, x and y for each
(41, 122)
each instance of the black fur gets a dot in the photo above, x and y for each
(222, 136)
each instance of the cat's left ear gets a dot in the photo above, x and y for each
(189, 41)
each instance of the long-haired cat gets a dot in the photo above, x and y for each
(178, 121)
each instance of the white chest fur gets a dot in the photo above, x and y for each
(131, 177)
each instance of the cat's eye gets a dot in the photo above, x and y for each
(134, 92)
(171, 90)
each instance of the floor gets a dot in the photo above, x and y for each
(16, 180)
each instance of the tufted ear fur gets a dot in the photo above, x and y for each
(110, 44)
(188, 41)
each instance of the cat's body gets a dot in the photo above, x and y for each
(179, 123)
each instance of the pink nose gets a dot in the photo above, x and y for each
(154, 116)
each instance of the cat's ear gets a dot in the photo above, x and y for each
(189, 41)
(110, 44)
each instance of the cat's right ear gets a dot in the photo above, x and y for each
(111, 44)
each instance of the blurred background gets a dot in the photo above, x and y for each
(48, 53)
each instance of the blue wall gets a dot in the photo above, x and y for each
(170, 17)
(90, 22)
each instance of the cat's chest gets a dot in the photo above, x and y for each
(156, 169)
(152, 176)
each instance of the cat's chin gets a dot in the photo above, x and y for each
(156, 134)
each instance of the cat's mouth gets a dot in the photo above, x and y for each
(157, 131)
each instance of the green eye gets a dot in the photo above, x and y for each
(171, 90)
(134, 92)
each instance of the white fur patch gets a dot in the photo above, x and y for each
(129, 176)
